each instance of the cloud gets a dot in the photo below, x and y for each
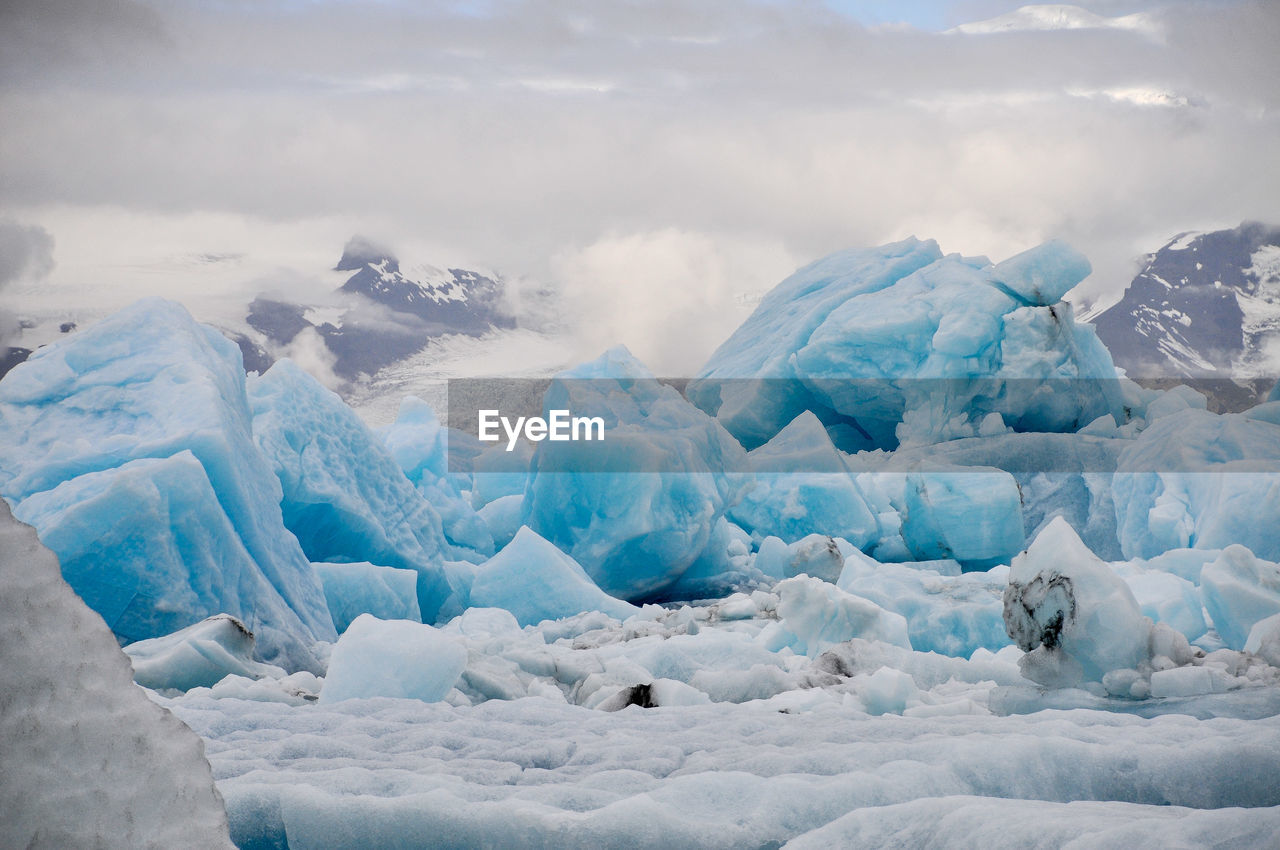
(309, 352)
(26, 252)
(670, 296)
(43, 41)
(572, 138)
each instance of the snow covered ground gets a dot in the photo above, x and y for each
(864, 743)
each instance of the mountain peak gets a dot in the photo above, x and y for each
(360, 251)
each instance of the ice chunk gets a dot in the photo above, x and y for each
(420, 446)
(929, 356)
(773, 558)
(497, 472)
(802, 486)
(1172, 401)
(89, 760)
(392, 658)
(1239, 590)
(359, 588)
(887, 691)
(1264, 640)
(1195, 479)
(486, 621)
(1189, 681)
(1066, 475)
(301, 688)
(1184, 563)
(953, 615)
(974, 516)
(1168, 599)
(819, 556)
(148, 545)
(345, 498)
(725, 565)
(653, 694)
(751, 383)
(150, 383)
(503, 517)
(816, 615)
(198, 656)
(534, 580)
(1071, 613)
(1043, 274)
(634, 532)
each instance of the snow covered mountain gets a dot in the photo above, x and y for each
(455, 300)
(1205, 305)
(392, 316)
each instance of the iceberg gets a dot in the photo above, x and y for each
(639, 522)
(815, 615)
(148, 546)
(1042, 276)
(198, 656)
(1264, 640)
(949, 614)
(135, 432)
(497, 473)
(392, 658)
(503, 517)
(802, 486)
(419, 444)
(1195, 479)
(1169, 599)
(816, 555)
(751, 383)
(725, 565)
(535, 581)
(900, 345)
(1239, 591)
(344, 497)
(1068, 610)
(89, 760)
(356, 588)
(972, 516)
(1067, 475)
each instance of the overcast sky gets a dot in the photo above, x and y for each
(654, 159)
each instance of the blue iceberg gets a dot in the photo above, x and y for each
(899, 345)
(634, 531)
(419, 444)
(359, 588)
(535, 581)
(1200, 480)
(140, 427)
(345, 498)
